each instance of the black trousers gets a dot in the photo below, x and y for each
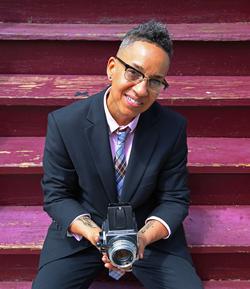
(155, 271)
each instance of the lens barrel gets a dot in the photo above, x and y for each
(122, 253)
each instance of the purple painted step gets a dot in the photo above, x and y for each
(55, 49)
(206, 155)
(60, 90)
(30, 98)
(123, 11)
(232, 284)
(218, 237)
(113, 32)
(209, 229)
(219, 170)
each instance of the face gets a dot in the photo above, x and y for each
(126, 99)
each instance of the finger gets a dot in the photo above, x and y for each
(113, 268)
(105, 259)
(97, 238)
(141, 252)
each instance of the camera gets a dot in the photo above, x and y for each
(119, 236)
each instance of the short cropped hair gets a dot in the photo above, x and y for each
(151, 31)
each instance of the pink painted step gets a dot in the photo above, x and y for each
(60, 90)
(209, 229)
(112, 32)
(54, 48)
(237, 284)
(30, 98)
(219, 170)
(123, 11)
(218, 237)
(206, 155)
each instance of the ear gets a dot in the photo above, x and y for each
(110, 67)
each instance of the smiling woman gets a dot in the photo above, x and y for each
(119, 146)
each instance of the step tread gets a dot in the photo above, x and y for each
(231, 155)
(230, 284)
(239, 31)
(64, 89)
(124, 11)
(209, 229)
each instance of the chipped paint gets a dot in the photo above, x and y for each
(28, 246)
(36, 158)
(26, 165)
(242, 165)
(5, 152)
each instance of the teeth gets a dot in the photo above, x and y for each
(133, 100)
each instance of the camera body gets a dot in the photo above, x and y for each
(119, 236)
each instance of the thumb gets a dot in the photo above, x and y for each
(141, 251)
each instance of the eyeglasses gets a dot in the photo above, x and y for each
(134, 75)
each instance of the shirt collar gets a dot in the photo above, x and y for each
(113, 125)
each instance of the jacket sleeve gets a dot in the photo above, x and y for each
(172, 194)
(60, 180)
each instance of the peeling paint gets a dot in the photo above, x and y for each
(26, 165)
(36, 158)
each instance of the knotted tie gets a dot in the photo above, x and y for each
(120, 159)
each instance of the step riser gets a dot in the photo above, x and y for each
(206, 189)
(90, 57)
(223, 266)
(21, 190)
(22, 267)
(209, 266)
(202, 121)
(124, 11)
(219, 189)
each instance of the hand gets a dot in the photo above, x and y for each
(109, 265)
(152, 231)
(85, 227)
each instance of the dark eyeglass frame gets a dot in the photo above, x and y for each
(164, 82)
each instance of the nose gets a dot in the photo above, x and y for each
(141, 88)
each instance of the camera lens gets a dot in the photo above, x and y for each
(122, 257)
(122, 253)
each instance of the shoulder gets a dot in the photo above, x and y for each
(78, 110)
(168, 117)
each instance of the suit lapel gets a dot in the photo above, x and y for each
(145, 139)
(98, 139)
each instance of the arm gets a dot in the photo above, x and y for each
(60, 180)
(172, 196)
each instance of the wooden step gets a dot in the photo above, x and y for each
(239, 31)
(219, 170)
(231, 284)
(61, 90)
(209, 229)
(218, 238)
(123, 11)
(56, 49)
(31, 97)
(206, 155)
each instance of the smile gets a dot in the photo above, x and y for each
(133, 101)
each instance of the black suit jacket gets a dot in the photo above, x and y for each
(79, 174)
